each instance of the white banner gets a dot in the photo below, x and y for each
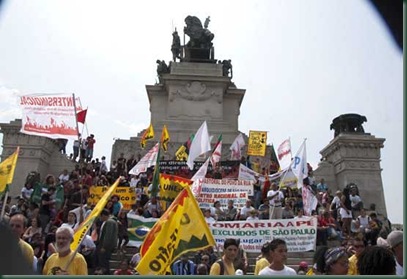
(284, 178)
(51, 116)
(147, 161)
(246, 173)
(211, 190)
(310, 202)
(284, 154)
(299, 234)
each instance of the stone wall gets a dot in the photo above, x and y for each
(36, 154)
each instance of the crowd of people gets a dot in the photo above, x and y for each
(45, 227)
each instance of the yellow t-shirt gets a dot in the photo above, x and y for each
(27, 251)
(260, 264)
(78, 265)
(353, 268)
(310, 272)
(215, 269)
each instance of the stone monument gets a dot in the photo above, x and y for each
(191, 90)
(38, 154)
(353, 156)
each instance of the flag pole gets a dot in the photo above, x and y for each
(3, 210)
(76, 115)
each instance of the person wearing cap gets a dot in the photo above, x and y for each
(395, 241)
(278, 254)
(358, 246)
(302, 268)
(332, 261)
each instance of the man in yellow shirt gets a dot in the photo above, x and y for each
(357, 248)
(60, 263)
(18, 224)
(225, 266)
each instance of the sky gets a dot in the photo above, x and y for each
(302, 64)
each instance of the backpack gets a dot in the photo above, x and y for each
(222, 266)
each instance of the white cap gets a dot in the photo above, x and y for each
(239, 272)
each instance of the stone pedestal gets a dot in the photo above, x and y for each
(352, 157)
(39, 154)
(188, 95)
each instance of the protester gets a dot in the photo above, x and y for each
(278, 250)
(224, 266)
(395, 241)
(107, 239)
(18, 224)
(334, 261)
(124, 268)
(183, 266)
(376, 260)
(302, 268)
(358, 246)
(61, 262)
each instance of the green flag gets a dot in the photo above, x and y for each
(156, 175)
(36, 194)
(59, 196)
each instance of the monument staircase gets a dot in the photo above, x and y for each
(293, 260)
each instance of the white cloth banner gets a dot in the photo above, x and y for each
(300, 234)
(200, 145)
(51, 116)
(201, 173)
(236, 147)
(246, 173)
(284, 154)
(310, 202)
(147, 161)
(284, 178)
(212, 190)
(299, 165)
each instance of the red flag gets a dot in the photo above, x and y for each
(81, 116)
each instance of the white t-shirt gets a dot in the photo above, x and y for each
(285, 271)
(26, 193)
(364, 221)
(399, 269)
(276, 201)
(337, 201)
(210, 219)
(354, 200)
(63, 178)
(246, 210)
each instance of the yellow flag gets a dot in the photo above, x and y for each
(181, 229)
(148, 134)
(7, 168)
(170, 187)
(181, 154)
(85, 225)
(257, 143)
(165, 138)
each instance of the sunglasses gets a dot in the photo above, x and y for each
(359, 246)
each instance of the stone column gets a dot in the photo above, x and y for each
(352, 157)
